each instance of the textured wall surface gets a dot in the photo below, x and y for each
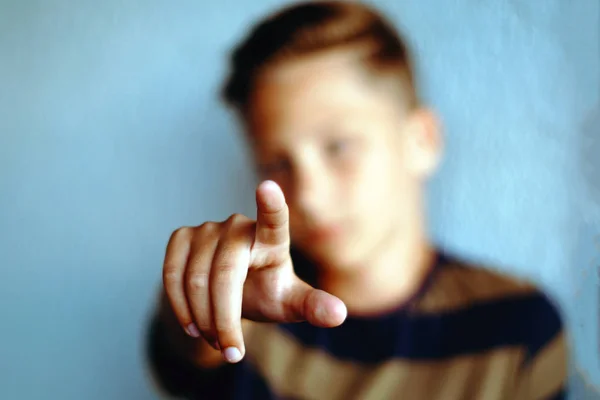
(111, 137)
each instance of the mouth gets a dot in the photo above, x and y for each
(325, 233)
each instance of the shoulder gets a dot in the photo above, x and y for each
(481, 291)
(459, 282)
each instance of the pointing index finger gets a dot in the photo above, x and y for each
(272, 216)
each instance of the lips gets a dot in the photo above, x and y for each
(323, 233)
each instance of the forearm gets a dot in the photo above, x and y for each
(194, 350)
(181, 365)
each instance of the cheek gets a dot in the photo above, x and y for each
(296, 226)
(372, 184)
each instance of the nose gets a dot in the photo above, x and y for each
(311, 190)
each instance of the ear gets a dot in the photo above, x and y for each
(424, 144)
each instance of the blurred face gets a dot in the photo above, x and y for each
(348, 154)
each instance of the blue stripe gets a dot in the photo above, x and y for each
(544, 325)
(560, 395)
(529, 321)
(249, 384)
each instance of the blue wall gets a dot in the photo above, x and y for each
(111, 137)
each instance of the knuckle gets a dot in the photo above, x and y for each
(223, 269)
(225, 278)
(206, 327)
(276, 223)
(171, 273)
(238, 217)
(276, 219)
(235, 219)
(181, 233)
(198, 282)
(208, 227)
(227, 329)
(206, 234)
(226, 259)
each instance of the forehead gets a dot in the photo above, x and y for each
(327, 88)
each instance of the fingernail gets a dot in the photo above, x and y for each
(192, 330)
(232, 355)
(270, 184)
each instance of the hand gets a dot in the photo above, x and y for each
(216, 274)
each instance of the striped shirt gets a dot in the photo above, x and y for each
(469, 333)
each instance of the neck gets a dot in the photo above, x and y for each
(392, 273)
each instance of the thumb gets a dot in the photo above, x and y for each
(319, 308)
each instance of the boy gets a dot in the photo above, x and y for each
(335, 291)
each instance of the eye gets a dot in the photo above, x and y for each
(275, 168)
(337, 147)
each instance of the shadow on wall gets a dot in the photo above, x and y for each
(589, 164)
(582, 389)
(587, 327)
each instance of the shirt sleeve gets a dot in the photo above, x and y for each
(544, 372)
(179, 378)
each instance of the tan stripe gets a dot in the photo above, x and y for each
(300, 373)
(296, 372)
(547, 373)
(457, 286)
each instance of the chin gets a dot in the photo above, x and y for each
(336, 257)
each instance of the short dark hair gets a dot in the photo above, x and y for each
(311, 27)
